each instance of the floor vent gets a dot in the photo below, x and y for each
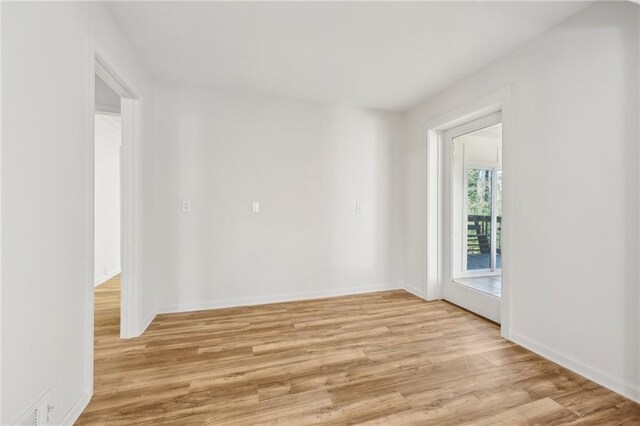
(37, 414)
(32, 419)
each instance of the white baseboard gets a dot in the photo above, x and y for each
(230, 303)
(627, 390)
(102, 278)
(74, 412)
(414, 291)
(147, 322)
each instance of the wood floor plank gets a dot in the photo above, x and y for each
(386, 358)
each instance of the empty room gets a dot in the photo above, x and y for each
(320, 212)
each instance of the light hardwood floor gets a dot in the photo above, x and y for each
(381, 358)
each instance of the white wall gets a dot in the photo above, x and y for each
(46, 197)
(307, 164)
(572, 161)
(574, 149)
(107, 197)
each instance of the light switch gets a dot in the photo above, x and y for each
(358, 207)
(255, 207)
(186, 206)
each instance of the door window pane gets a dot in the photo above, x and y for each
(479, 219)
(499, 219)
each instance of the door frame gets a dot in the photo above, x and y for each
(130, 202)
(434, 253)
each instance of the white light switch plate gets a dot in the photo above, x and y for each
(255, 207)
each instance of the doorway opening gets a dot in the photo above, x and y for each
(475, 231)
(112, 95)
(477, 214)
(107, 211)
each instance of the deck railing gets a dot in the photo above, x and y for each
(479, 234)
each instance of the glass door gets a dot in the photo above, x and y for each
(479, 220)
(483, 220)
(474, 203)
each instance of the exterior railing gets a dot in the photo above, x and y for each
(479, 234)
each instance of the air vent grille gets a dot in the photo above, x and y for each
(37, 414)
(32, 419)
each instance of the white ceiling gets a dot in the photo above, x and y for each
(387, 55)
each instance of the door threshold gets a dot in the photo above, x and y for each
(491, 285)
(473, 313)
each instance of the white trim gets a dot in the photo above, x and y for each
(1, 363)
(131, 205)
(292, 297)
(433, 239)
(508, 213)
(88, 344)
(494, 219)
(432, 246)
(475, 273)
(625, 389)
(131, 218)
(415, 291)
(76, 410)
(638, 177)
(147, 321)
(114, 80)
(474, 300)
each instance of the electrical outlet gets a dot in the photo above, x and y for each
(358, 207)
(186, 206)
